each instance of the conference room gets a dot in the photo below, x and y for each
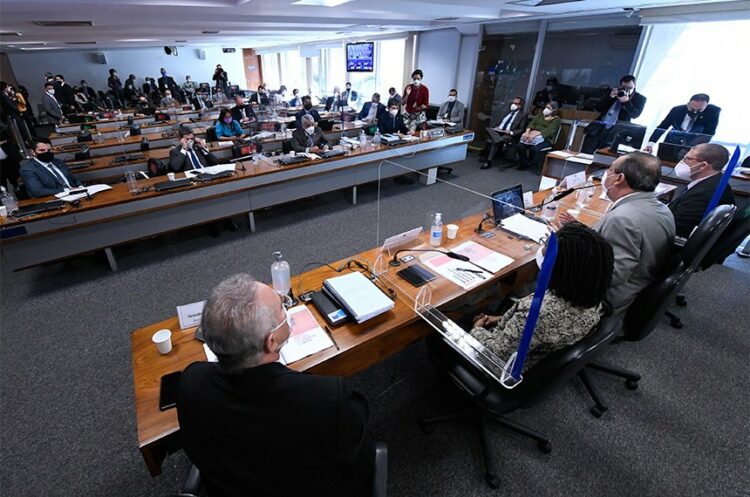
(332, 247)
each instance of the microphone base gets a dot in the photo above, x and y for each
(394, 263)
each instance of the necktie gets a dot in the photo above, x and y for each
(691, 123)
(508, 120)
(58, 175)
(243, 113)
(196, 163)
(611, 118)
(309, 141)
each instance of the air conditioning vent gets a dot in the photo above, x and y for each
(210, 32)
(65, 24)
(9, 34)
(81, 42)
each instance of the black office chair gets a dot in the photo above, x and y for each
(192, 485)
(738, 229)
(651, 304)
(286, 146)
(491, 400)
(211, 134)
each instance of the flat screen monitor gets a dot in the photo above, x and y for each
(360, 57)
(628, 134)
(507, 202)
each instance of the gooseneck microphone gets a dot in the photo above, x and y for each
(395, 262)
(562, 195)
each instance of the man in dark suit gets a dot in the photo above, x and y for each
(349, 96)
(64, 95)
(692, 124)
(307, 110)
(308, 137)
(50, 104)
(701, 166)
(507, 133)
(255, 427)
(44, 175)
(393, 122)
(166, 83)
(372, 111)
(242, 112)
(190, 153)
(88, 91)
(143, 107)
(623, 103)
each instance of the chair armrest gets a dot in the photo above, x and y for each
(380, 476)
(192, 486)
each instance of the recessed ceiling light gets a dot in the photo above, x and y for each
(136, 40)
(40, 48)
(210, 32)
(65, 24)
(321, 3)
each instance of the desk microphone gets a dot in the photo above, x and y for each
(479, 228)
(562, 195)
(395, 262)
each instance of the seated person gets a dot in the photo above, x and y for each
(452, 110)
(168, 100)
(701, 166)
(227, 129)
(295, 101)
(373, 110)
(308, 137)
(260, 97)
(393, 122)
(190, 153)
(307, 110)
(540, 134)
(638, 226)
(572, 303)
(242, 112)
(43, 175)
(143, 107)
(219, 96)
(393, 96)
(691, 124)
(507, 131)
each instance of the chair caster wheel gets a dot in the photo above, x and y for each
(426, 429)
(631, 384)
(680, 300)
(544, 446)
(597, 411)
(676, 324)
(492, 480)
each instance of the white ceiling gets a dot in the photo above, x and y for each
(261, 23)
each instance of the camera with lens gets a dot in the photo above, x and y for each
(623, 92)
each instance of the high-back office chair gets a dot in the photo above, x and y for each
(544, 151)
(647, 309)
(192, 485)
(491, 400)
(286, 146)
(211, 134)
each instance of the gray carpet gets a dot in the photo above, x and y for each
(66, 399)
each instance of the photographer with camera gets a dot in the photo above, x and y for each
(622, 104)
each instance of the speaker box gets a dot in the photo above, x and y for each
(201, 54)
(100, 58)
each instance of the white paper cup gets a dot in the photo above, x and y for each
(170, 176)
(574, 212)
(163, 341)
(292, 153)
(452, 231)
(3, 211)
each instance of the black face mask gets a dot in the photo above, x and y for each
(307, 106)
(46, 156)
(693, 113)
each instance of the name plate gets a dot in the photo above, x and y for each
(190, 314)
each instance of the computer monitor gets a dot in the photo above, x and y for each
(507, 202)
(671, 152)
(360, 57)
(627, 134)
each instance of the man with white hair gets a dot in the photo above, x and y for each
(255, 427)
(308, 137)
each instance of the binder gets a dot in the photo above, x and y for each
(361, 298)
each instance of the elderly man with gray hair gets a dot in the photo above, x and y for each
(308, 137)
(255, 427)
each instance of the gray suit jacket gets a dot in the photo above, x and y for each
(640, 230)
(457, 115)
(51, 107)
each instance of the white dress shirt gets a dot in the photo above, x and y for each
(54, 171)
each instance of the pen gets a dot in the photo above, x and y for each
(478, 273)
(331, 336)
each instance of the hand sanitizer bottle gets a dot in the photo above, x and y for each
(280, 275)
(436, 231)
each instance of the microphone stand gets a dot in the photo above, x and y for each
(561, 196)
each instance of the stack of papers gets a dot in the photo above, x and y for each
(523, 226)
(92, 190)
(462, 273)
(307, 336)
(219, 168)
(359, 296)
(482, 256)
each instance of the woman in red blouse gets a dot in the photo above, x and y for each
(416, 100)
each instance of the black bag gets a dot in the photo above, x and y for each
(156, 167)
(83, 154)
(145, 145)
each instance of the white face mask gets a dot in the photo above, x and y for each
(513, 107)
(539, 257)
(51, 92)
(604, 184)
(310, 130)
(682, 170)
(168, 95)
(451, 98)
(547, 111)
(190, 143)
(393, 112)
(417, 82)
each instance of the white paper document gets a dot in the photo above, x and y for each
(482, 256)
(218, 168)
(580, 160)
(462, 273)
(307, 336)
(92, 190)
(525, 227)
(575, 180)
(528, 199)
(546, 183)
(361, 298)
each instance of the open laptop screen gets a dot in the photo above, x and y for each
(507, 202)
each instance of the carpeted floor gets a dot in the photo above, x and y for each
(67, 422)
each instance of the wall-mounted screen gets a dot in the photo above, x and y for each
(360, 57)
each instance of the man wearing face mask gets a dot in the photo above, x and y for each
(349, 96)
(248, 420)
(393, 96)
(505, 134)
(308, 137)
(307, 110)
(416, 101)
(143, 107)
(372, 111)
(65, 95)
(168, 100)
(242, 112)
(702, 167)
(393, 122)
(190, 153)
(43, 175)
(623, 103)
(691, 124)
(639, 227)
(452, 110)
(50, 104)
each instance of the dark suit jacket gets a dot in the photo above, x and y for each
(688, 208)
(180, 162)
(237, 112)
(629, 110)
(166, 83)
(300, 140)
(39, 182)
(312, 112)
(518, 124)
(390, 124)
(366, 111)
(64, 95)
(146, 108)
(705, 123)
(272, 431)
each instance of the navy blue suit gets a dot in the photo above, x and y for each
(312, 112)
(389, 124)
(705, 124)
(40, 182)
(366, 111)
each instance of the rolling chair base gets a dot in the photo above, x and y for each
(631, 378)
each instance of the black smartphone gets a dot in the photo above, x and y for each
(416, 275)
(168, 390)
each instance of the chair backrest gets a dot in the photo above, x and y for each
(211, 134)
(286, 146)
(738, 229)
(647, 309)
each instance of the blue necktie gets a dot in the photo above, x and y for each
(196, 163)
(611, 118)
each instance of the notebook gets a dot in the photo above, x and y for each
(359, 296)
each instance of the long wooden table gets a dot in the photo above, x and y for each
(359, 346)
(115, 216)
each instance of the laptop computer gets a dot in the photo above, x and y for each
(670, 152)
(510, 216)
(507, 202)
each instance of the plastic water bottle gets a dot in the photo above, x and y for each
(8, 200)
(57, 128)
(377, 138)
(549, 211)
(99, 137)
(362, 138)
(436, 231)
(132, 182)
(280, 276)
